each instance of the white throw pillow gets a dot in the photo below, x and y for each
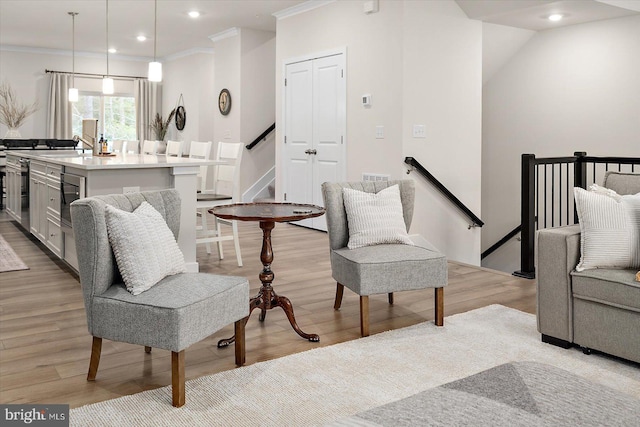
(144, 247)
(610, 228)
(375, 218)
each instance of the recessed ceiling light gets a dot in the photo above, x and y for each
(112, 50)
(555, 17)
(141, 38)
(194, 14)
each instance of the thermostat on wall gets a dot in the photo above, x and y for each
(366, 100)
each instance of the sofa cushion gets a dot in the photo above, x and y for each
(622, 183)
(608, 286)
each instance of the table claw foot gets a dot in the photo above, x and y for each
(285, 304)
(226, 342)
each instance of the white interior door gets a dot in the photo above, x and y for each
(315, 125)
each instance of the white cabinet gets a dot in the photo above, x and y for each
(44, 190)
(13, 186)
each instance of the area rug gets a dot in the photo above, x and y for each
(513, 394)
(321, 386)
(9, 260)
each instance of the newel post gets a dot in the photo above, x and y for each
(579, 177)
(527, 217)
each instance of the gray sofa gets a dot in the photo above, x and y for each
(595, 309)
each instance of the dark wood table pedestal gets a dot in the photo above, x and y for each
(267, 298)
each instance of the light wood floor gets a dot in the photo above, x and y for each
(45, 346)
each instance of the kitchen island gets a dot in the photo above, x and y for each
(98, 175)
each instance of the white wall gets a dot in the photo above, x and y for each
(25, 72)
(421, 63)
(569, 89)
(443, 90)
(245, 66)
(192, 77)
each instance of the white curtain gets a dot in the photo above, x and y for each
(59, 113)
(148, 99)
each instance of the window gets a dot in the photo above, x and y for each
(116, 115)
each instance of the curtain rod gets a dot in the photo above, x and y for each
(97, 75)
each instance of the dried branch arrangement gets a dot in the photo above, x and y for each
(12, 112)
(160, 127)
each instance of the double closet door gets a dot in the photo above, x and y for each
(315, 127)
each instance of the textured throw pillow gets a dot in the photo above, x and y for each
(375, 218)
(144, 247)
(610, 228)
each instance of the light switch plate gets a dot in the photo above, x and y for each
(419, 131)
(379, 132)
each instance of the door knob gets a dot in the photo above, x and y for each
(310, 151)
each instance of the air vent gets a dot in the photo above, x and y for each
(375, 177)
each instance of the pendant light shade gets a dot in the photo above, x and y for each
(155, 71)
(107, 82)
(73, 92)
(155, 68)
(107, 86)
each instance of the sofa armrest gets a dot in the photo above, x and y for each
(557, 253)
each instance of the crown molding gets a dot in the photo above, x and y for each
(188, 52)
(300, 8)
(231, 32)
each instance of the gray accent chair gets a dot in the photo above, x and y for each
(380, 269)
(178, 311)
(595, 309)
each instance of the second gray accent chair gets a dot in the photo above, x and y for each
(385, 268)
(177, 312)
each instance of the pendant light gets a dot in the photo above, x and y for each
(107, 82)
(155, 68)
(73, 91)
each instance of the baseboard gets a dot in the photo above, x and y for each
(260, 187)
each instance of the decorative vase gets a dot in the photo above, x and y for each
(12, 133)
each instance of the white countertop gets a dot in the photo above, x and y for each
(87, 161)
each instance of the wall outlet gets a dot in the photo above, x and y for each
(127, 190)
(419, 131)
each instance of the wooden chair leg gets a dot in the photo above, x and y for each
(364, 316)
(177, 378)
(147, 349)
(439, 306)
(240, 343)
(391, 298)
(339, 292)
(96, 348)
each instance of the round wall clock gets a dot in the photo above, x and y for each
(224, 102)
(181, 117)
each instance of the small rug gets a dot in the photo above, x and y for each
(9, 260)
(513, 394)
(326, 384)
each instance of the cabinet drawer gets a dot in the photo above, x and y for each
(55, 238)
(53, 172)
(38, 167)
